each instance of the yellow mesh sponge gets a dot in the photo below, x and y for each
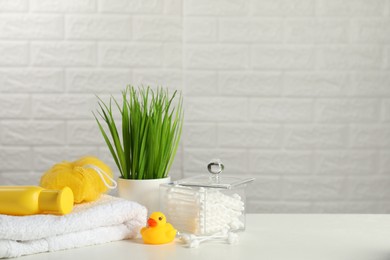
(85, 182)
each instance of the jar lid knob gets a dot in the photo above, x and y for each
(215, 166)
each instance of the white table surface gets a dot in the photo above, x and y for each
(268, 237)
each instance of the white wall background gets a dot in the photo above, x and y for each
(293, 92)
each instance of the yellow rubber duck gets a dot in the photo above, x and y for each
(158, 231)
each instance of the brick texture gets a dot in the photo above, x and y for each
(295, 93)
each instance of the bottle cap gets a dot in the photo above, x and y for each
(56, 201)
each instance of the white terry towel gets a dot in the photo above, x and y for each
(105, 220)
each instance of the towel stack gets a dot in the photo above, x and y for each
(105, 220)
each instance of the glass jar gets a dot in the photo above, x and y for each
(205, 204)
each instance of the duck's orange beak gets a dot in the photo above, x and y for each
(152, 222)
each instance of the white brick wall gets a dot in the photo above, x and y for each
(293, 92)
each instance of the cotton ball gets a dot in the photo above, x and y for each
(194, 243)
(237, 224)
(236, 196)
(234, 225)
(232, 238)
(224, 231)
(185, 238)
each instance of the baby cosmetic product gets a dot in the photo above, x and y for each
(29, 200)
(206, 204)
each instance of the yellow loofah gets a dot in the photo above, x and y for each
(83, 176)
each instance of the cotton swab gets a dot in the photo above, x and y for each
(193, 241)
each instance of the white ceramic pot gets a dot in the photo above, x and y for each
(145, 192)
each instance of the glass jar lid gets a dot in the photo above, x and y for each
(214, 179)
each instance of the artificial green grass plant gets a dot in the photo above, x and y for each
(151, 131)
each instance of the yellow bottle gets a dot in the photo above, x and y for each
(29, 200)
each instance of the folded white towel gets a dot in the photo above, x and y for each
(105, 220)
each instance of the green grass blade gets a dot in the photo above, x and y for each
(110, 147)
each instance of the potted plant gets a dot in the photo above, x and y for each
(145, 146)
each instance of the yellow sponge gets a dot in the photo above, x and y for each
(82, 177)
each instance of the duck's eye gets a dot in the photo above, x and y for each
(160, 218)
